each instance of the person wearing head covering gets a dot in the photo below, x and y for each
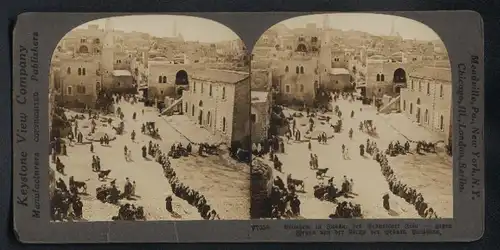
(168, 204)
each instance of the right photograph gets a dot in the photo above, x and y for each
(351, 118)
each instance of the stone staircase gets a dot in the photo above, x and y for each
(170, 109)
(391, 106)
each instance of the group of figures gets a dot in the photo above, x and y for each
(409, 194)
(66, 204)
(181, 190)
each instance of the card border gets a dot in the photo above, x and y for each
(468, 222)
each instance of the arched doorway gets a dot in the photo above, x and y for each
(301, 48)
(200, 117)
(399, 78)
(181, 78)
(83, 49)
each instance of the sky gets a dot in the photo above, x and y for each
(375, 24)
(191, 28)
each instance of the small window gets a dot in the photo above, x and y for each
(378, 77)
(301, 70)
(84, 72)
(70, 90)
(441, 91)
(302, 88)
(159, 79)
(201, 88)
(428, 88)
(441, 123)
(224, 124)
(79, 71)
(194, 87)
(68, 70)
(419, 86)
(164, 79)
(287, 88)
(382, 77)
(161, 92)
(286, 69)
(210, 90)
(404, 105)
(253, 118)
(297, 70)
(223, 92)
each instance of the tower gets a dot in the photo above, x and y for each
(107, 55)
(393, 29)
(325, 53)
(174, 29)
(326, 22)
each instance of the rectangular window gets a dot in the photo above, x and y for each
(80, 89)
(287, 88)
(253, 118)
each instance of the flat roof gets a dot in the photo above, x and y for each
(215, 75)
(121, 72)
(435, 73)
(339, 71)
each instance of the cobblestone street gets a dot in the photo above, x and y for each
(224, 182)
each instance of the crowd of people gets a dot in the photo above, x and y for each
(179, 189)
(409, 194)
(284, 202)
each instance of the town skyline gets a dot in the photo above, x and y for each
(374, 24)
(209, 31)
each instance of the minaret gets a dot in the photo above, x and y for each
(325, 53)
(393, 29)
(174, 29)
(107, 55)
(326, 22)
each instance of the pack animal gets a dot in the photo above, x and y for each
(321, 172)
(103, 174)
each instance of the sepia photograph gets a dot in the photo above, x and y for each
(351, 118)
(149, 120)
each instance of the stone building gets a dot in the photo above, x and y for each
(337, 79)
(299, 79)
(164, 76)
(427, 99)
(123, 82)
(77, 81)
(82, 65)
(386, 78)
(219, 101)
(260, 115)
(314, 61)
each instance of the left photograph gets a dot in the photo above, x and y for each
(149, 120)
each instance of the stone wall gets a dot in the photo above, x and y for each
(241, 111)
(261, 185)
